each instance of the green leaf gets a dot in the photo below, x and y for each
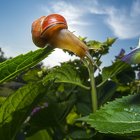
(2, 99)
(52, 116)
(95, 45)
(101, 46)
(111, 71)
(83, 104)
(31, 75)
(110, 41)
(40, 135)
(81, 134)
(119, 117)
(17, 107)
(12, 67)
(65, 74)
(106, 91)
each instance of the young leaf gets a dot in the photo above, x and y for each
(113, 70)
(65, 74)
(17, 107)
(12, 67)
(120, 117)
(110, 41)
(101, 46)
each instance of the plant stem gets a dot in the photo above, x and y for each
(93, 87)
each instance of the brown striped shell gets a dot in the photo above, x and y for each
(45, 27)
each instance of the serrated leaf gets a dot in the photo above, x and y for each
(119, 117)
(113, 70)
(101, 46)
(65, 74)
(17, 107)
(110, 41)
(95, 45)
(12, 67)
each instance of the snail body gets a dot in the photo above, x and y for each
(53, 30)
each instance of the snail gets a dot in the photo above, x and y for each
(53, 30)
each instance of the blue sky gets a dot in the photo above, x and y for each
(94, 19)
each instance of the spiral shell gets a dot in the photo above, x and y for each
(45, 27)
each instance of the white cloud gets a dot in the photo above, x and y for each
(72, 13)
(8, 50)
(57, 57)
(73, 16)
(124, 23)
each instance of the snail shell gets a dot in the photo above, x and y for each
(45, 27)
(53, 30)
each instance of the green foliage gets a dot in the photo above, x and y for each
(103, 47)
(106, 92)
(17, 107)
(120, 117)
(13, 67)
(112, 71)
(51, 100)
(65, 74)
(41, 135)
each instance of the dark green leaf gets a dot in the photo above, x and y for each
(120, 117)
(83, 103)
(17, 107)
(111, 71)
(65, 74)
(12, 67)
(80, 134)
(40, 135)
(51, 115)
(106, 91)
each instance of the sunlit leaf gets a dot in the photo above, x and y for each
(65, 74)
(12, 67)
(110, 41)
(101, 46)
(119, 117)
